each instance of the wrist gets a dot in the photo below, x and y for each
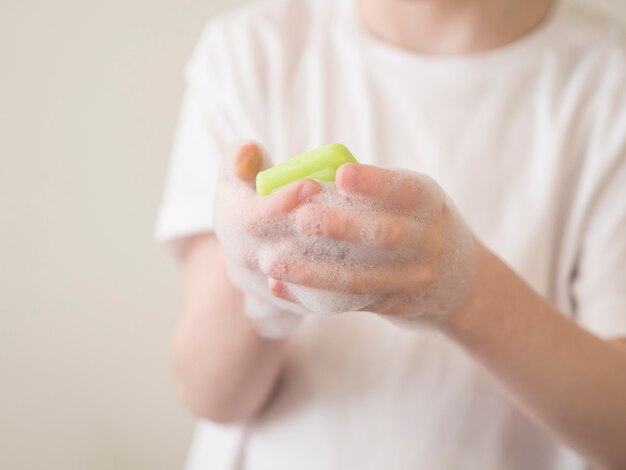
(492, 300)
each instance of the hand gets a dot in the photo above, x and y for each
(401, 241)
(244, 223)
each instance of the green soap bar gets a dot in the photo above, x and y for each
(320, 164)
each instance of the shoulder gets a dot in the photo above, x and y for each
(595, 47)
(586, 26)
(591, 39)
(251, 44)
(589, 55)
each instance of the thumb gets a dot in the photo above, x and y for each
(248, 161)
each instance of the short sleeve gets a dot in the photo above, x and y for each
(600, 285)
(215, 116)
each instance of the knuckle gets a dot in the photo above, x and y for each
(307, 220)
(337, 226)
(393, 234)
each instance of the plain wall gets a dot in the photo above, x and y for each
(89, 95)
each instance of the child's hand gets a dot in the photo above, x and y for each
(417, 257)
(244, 222)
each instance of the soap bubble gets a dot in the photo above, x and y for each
(251, 250)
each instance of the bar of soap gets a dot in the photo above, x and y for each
(320, 164)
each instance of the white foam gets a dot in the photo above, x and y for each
(251, 256)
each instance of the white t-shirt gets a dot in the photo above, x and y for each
(529, 140)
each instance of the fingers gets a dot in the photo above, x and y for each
(357, 280)
(375, 230)
(259, 214)
(268, 209)
(401, 190)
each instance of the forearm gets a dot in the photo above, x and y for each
(225, 370)
(568, 380)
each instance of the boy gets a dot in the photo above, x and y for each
(504, 347)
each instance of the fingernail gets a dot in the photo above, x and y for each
(279, 289)
(308, 189)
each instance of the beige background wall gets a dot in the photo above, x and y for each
(89, 92)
